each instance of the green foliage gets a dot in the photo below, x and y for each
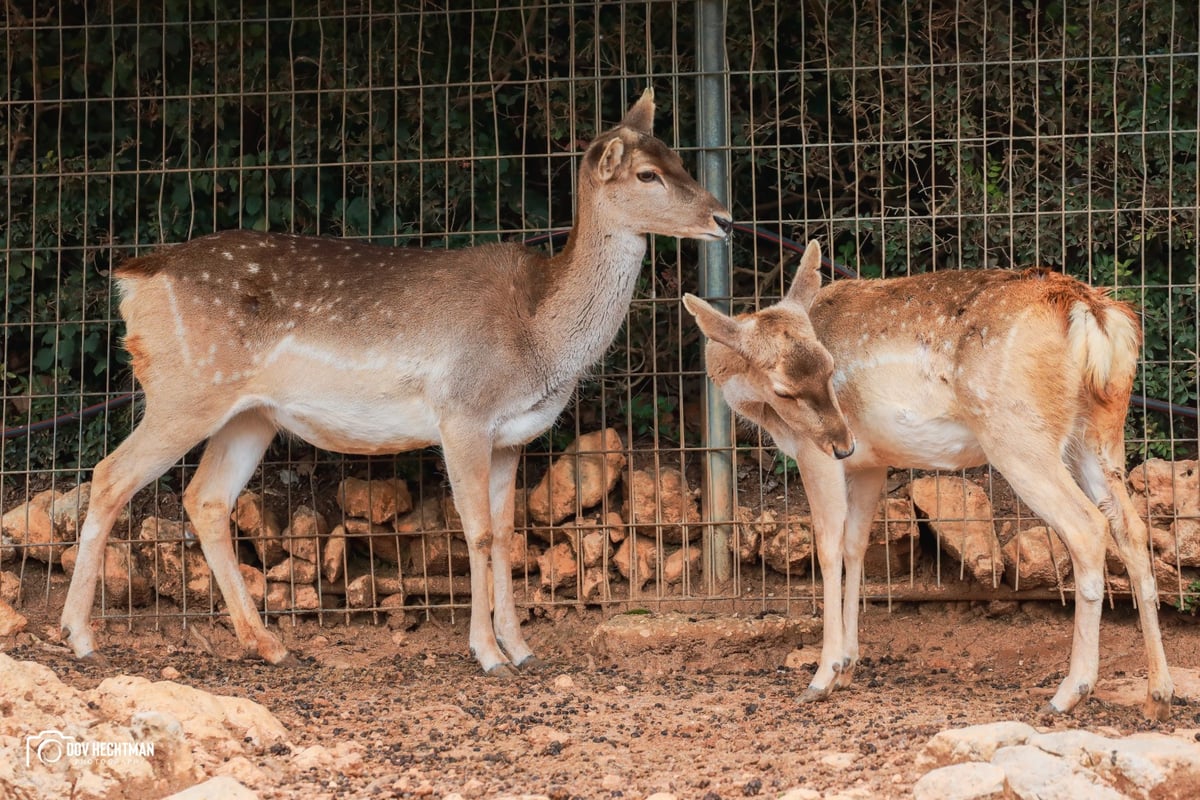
(932, 134)
(1189, 601)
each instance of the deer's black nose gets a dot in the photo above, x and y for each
(724, 223)
(839, 453)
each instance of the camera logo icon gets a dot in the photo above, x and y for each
(48, 747)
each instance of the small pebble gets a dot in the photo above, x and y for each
(170, 674)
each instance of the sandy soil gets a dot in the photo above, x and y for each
(429, 723)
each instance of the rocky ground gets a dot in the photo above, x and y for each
(692, 708)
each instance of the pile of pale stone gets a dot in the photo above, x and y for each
(383, 547)
(157, 737)
(1015, 760)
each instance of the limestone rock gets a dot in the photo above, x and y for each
(1032, 772)
(286, 596)
(378, 500)
(749, 532)
(256, 583)
(380, 541)
(11, 620)
(301, 538)
(635, 559)
(661, 503)
(222, 787)
(124, 582)
(1036, 558)
(261, 525)
(333, 554)
(68, 509)
(1060, 763)
(961, 514)
(1181, 544)
(186, 727)
(10, 586)
(684, 561)
(366, 591)
(293, 570)
(175, 563)
(578, 479)
(790, 550)
(557, 567)
(438, 554)
(1166, 488)
(31, 529)
(971, 781)
(973, 743)
(203, 716)
(593, 548)
(893, 540)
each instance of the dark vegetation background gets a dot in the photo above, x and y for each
(907, 136)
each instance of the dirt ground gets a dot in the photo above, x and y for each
(429, 723)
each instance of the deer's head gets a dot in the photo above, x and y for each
(627, 173)
(772, 368)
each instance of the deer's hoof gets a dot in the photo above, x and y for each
(1157, 708)
(812, 695)
(286, 660)
(502, 670)
(532, 663)
(95, 658)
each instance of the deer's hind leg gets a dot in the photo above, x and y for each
(229, 460)
(1101, 473)
(1042, 480)
(160, 439)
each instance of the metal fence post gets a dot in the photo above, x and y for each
(713, 140)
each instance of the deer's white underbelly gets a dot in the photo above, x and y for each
(910, 437)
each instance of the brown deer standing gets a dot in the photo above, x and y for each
(1030, 371)
(363, 349)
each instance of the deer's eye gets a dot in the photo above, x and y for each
(784, 394)
(647, 176)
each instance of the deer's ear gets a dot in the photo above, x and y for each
(716, 326)
(808, 278)
(609, 161)
(640, 116)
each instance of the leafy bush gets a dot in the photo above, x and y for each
(909, 137)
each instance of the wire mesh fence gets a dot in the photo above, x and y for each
(905, 137)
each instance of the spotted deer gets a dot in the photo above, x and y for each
(1030, 371)
(369, 350)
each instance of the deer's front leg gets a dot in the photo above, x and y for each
(825, 486)
(863, 489)
(503, 491)
(469, 464)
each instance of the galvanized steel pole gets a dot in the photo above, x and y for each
(713, 139)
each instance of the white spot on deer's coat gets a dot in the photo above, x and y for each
(180, 329)
(204, 275)
(228, 256)
(252, 268)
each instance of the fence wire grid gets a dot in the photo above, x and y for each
(906, 137)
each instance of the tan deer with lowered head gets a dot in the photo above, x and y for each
(1030, 371)
(363, 349)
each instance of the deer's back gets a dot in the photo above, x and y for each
(928, 365)
(238, 309)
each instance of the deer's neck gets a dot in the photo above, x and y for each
(590, 284)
